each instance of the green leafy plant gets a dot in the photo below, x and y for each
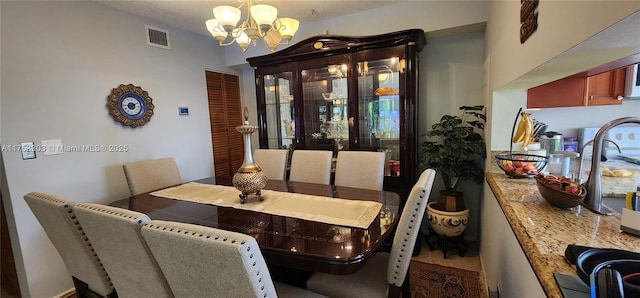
(455, 148)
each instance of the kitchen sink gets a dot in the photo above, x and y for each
(614, 203)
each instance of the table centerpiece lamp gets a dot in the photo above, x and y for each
(249, 179)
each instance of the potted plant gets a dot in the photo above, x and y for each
(455, 148)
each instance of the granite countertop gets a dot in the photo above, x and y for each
(545, 231)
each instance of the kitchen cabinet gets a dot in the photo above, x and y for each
(602, 89)
(333, 92)
(606, 88)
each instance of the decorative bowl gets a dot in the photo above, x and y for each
(328, 95)
(519, 165)
(552, 192)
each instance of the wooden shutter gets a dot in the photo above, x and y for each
(225, 113)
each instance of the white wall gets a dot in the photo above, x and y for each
(562, 26)
(425, 15)
(504, 262)
(58, 70)
(509, 63)
(450, 77)
(450, 67)
(556, 118)
(60, 60)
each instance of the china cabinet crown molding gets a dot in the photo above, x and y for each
(329, 45)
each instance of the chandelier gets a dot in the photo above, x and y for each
(261, 22)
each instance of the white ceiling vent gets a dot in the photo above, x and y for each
(157, 37)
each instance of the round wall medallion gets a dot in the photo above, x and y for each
(130, 105)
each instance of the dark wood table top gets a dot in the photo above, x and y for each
(285, 241)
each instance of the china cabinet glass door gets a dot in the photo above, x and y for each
(379, 101)
(279, 107)
(325, 106)
(345, 93)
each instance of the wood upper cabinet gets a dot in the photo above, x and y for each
(601, 89)
(334, 92)
(567, 92)
(606, 88)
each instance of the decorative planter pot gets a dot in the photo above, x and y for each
(450, 224)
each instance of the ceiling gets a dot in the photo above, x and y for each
(615, 42)
(190, 15)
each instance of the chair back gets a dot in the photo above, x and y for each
(201, 261)
(59, 222)
(115, 235)
(273, 162)
(148, 175)
(313, 166)
(360, 169)
(408, 228)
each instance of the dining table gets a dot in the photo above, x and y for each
(287, 241)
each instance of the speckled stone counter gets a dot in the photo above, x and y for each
(544, 231)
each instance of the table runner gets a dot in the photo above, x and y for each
(343, 212)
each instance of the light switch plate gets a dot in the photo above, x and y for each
(52, 147)
(28, 150)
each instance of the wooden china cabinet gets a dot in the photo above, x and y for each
(335, 93)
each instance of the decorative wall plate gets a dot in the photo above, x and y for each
(130, 105)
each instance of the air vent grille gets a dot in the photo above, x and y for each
(157, 37)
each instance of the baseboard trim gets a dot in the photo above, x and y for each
(67, 294)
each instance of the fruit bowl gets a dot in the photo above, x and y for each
(560, 192)
(519, 165)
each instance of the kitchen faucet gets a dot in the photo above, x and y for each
(590, 143)
(593, 199)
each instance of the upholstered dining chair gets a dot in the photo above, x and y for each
(148, 175)
(273, 162)
(201, 261)
(360, 169)
(59, 222)
(387, 274)
(312, 166)
(115, 235)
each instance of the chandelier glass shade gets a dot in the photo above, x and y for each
(261, 22)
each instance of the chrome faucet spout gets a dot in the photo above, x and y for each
(590, 143)
(593, 199)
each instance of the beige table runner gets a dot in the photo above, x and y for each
(353, 213)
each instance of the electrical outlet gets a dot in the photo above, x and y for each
(52, 147)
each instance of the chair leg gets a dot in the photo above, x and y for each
(404, 291)
(394, 292)
(82, 288)
(83, 291)
(406, 286)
